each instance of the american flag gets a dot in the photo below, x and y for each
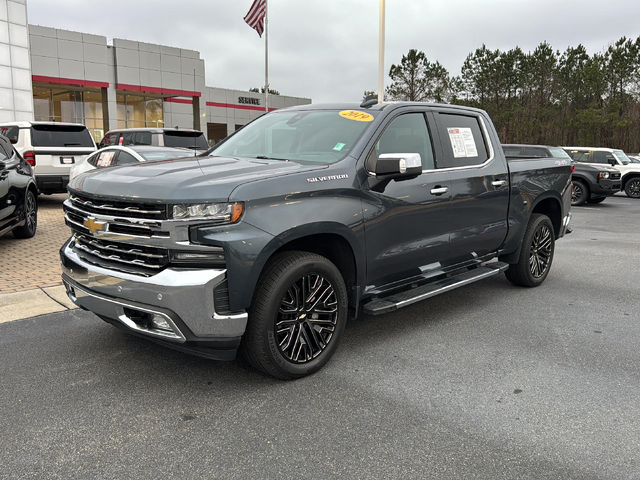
(255, 17)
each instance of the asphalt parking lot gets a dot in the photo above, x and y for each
(490, 381)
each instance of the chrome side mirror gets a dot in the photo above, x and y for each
(398, 165)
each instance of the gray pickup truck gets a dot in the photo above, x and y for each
(303, 218)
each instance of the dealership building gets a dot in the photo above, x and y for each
(48, 74)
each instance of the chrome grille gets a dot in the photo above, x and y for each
(125, 209)
(122, 256)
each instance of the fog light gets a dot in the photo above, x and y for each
(161, 324)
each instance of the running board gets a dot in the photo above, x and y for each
(409, 297)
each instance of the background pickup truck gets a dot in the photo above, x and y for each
(591, 183)
(303, 218)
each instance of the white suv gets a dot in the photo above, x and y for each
(629, 169)
(51, 148)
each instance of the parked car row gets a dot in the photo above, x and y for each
(598, 172)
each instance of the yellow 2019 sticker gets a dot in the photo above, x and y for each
(356, 115)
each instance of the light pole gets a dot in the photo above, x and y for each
(381, 55)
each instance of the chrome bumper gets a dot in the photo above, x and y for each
(181, 300)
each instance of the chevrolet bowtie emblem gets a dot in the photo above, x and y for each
(94, 225)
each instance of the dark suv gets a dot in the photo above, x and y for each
(159, 137)
(591, 183)
(18, 192)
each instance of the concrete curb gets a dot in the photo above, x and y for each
(31, 303)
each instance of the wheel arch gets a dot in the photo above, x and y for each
(336, 242)
(627, 177)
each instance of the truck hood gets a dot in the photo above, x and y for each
(184, 180)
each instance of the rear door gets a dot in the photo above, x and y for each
(6, 210)
(479, 184)
(407, 222)
(58, 147)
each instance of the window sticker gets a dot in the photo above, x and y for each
(105, 159)
(339, 146)
(462, 142)
(356, 115)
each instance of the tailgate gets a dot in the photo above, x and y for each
(58, 161)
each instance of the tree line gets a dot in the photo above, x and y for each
(540, 97)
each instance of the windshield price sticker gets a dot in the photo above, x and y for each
(356, 115)
(462, 142)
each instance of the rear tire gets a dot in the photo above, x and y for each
(632, 188)
(536, 254)
(297, 316)
(597, 200)
(580, 193)
(28, 230)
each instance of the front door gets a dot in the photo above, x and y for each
(479, 185)
(406, 222)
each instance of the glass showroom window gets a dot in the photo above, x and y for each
(139, 111)
(67, 105)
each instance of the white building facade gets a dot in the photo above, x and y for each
(16, 100)
(48, 74)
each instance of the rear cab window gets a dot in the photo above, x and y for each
(463, 142)
(184, 139)
(61, 136)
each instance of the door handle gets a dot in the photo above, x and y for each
(499, 183)
(439, 190)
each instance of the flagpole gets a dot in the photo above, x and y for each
(266, 56)
(381, 54)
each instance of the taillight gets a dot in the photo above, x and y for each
(573, 168)
(30, 158)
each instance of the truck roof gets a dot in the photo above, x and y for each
(376, 107)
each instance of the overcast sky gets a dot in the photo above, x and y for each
(327, 50)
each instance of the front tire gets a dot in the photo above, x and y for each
(28, 230)
(596, 200)
(632, 188)
(536, 254)
(580, 193)
(297, 316)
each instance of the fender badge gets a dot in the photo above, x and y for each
(327, 178)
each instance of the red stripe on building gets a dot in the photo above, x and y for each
(161, 91)
(178, 100)
(241, 107)
(69, 81)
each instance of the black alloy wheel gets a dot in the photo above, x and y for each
(579, 193)
(536, 253)
(297, 315)
(540, 256)
(28, 230)
(632, 188)
(306, 319)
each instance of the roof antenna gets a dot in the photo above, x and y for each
(369, 101)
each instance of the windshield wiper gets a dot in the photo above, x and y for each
(262, 157)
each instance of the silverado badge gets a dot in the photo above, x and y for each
(94, 225)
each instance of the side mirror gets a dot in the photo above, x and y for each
(613, 162)
(398, 165)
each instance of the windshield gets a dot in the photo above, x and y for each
(157, 155)
(622, 157)
(60, 136)
(558, 152)
(192, 140)
(634, 159)
(320, 136)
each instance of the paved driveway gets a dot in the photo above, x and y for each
(490, 381)
(33, 263)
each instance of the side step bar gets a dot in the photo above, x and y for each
(409, 297)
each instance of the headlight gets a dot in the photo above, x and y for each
(605, 174)
(216, 212)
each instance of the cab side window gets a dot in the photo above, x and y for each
(580, 155)
(128, 138)
(603, 157)
(11, 133)
(463, 143)
(142, 138)
(408, 133)
(125, 158)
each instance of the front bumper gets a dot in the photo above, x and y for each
(52, 183)
(606, 187)
(175, 307)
